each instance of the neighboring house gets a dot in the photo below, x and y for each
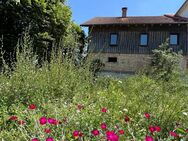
(126, 43)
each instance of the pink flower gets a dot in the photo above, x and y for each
(127, 119)
(46, 130)
(173, 134)
(52, 121)
(121, 132)
(149, 138)
(158, 128)
(76, 134)
(35, 139)
(21, 122)
(147, 115)
(104, 110)
(103, 126)
(95, 132)
(43, 120)
(49, 139)
(13, 118)
(111, 136)
(32, 107)
(152, 129)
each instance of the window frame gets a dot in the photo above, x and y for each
(116, 40)
(141, 38)
(177, 39)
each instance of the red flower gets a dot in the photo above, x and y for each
(152, 129)
(43, 120)
(103, 126)
(52, 121)
(80, 107)
(104, 110)
(81, 134)
(13, 118)
(32, 107)
(127, 119)
(35, 139)
(149, 138)
(173, 134)
(95, 132)
(76, 134)
(121, 132)
(46, 130)
(158, 128)
(21, 122)
(49, 139)
(186, 130)
(147, 115)
(111, 136)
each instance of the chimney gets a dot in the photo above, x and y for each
(124, 12)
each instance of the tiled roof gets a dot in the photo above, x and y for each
(166, 19)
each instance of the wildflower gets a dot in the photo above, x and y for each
(152, 129)
(35, 139)
(173, 134)
(32, 107)
(21, 122)
(104, 110)
(111, 136)
(103, 126)
(81, 134)
(95, 132)
(46, 130)
(149, 138)
(76, 133)
(186, 130)
(147, 115)
(80, 107)
(49, 139)
(121, 132)
(13, 118)
(52, 121)
(43, 120)
(127, 119)
(158, 128)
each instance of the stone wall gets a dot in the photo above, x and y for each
(130, 62)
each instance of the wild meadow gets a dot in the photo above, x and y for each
(61, 101)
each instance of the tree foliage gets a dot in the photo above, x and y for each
(48, 22)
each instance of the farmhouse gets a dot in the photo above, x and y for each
(125, 43)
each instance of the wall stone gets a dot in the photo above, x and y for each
(125, 62)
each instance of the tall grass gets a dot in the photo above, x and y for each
(58, 87)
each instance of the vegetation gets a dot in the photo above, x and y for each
(62, 101)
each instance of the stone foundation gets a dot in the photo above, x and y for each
(130, 62)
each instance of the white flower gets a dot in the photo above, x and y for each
(184, 113)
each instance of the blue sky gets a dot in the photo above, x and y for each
(84, 10)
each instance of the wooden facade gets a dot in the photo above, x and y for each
(129, 38)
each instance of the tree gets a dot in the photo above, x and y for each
(165, 63)
(46, 20)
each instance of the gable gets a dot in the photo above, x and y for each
(183, 11)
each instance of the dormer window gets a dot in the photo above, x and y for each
(113, 39)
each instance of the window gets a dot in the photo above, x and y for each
(112, 59)
(113, 39)
(143, 39)
(174, 39)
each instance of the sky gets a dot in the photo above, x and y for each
(84, 10)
